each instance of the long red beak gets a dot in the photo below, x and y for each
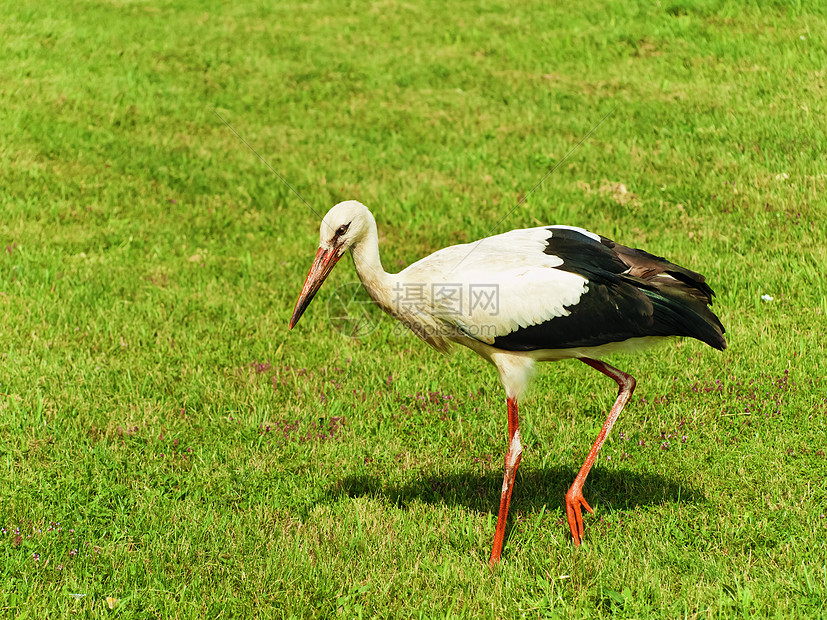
(322, 265)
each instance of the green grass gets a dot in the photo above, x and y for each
(149, 263)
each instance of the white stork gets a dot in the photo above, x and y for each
(532, 295)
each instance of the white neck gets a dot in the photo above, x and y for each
(384, 289)
(376, 281)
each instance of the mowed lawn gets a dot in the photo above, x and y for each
(169, 449)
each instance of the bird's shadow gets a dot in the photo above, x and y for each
(534, 488)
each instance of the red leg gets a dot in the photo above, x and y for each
(574, 498)
(512, 462)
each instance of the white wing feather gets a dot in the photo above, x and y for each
(494, 286)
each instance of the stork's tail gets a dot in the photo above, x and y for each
(681, 297)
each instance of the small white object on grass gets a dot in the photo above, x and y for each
(766, 297)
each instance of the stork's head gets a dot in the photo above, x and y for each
(344, 226)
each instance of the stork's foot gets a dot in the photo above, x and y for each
(574, 500)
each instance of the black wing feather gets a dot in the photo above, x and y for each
(631, 294)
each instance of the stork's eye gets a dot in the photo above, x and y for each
(342, 230)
